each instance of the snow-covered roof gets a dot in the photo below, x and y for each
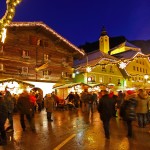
(46, 27)
(126, 54)
(93, 58)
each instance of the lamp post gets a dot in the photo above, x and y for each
(88, 69)
(146, 77)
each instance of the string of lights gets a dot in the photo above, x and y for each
(41, 24)
(121, 62)
(7, 18)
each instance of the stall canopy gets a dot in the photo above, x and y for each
(16, 80)
(97, 84)
(70, 85)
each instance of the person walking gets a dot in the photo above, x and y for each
(114, 98)
(127, 110)
(48, 104)
(84, 101)
(105, 108)
(8, 99)
(39, 100)
(90, 100)
(33, 102)
(25, 108)
(76, 99)
(142, 108)
(3, 117)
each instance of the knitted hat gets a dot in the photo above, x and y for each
(129, 92)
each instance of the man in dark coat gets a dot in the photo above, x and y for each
(25, 107)
(90, 100)
(8, 99)
(105, 108)
(3, 117)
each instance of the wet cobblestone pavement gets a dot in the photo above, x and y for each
(75, 130)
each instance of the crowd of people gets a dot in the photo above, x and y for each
(131, 106)
(128, 106)
(25, 104)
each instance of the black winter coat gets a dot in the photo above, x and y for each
(3, 111)
(24, 105)
(127, 109)
(105, 107)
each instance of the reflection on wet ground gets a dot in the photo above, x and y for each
(75, 130)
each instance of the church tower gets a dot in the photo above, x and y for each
(104, 41)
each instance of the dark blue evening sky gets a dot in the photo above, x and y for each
(80, 21)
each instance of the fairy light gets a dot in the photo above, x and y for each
(88, 69)
(41, 24)
(3, 35)
(122, 65)
(7, 18)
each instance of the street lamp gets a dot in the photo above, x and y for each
(88, 69)
(146, 77)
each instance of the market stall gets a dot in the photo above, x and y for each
(15, 86)
(62, 91)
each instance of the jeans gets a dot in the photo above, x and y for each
(142, 120)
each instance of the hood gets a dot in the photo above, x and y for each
(130, 96)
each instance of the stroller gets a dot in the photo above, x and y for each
(61, 105)
(71, 105)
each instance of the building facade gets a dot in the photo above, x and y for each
(34, 52)
(122, 65)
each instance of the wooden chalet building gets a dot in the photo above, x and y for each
(34, 52)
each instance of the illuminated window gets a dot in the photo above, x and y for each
(65, 74)
(111, 69)
(25, 54)
(146, 71)
(140, 69)
(91, 79)
(101, 79)
(119, 83)
(1, 67)
(25, 70)
(47, 72)
(143, 70)
(44, 43)
(45, 57)
(103, 68)
(1, 49)
(109, 79)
